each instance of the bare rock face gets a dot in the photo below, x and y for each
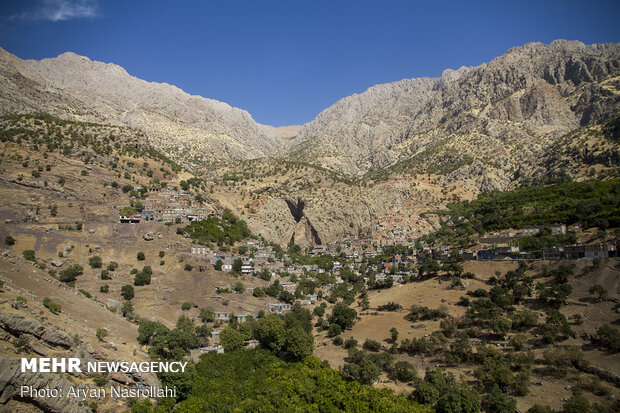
(532, 94)
(77, 88)
(11, 380)
(18, 324)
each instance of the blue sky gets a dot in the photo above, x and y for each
(285, 61)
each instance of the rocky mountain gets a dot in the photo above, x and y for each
(499, 115)
(77, 88)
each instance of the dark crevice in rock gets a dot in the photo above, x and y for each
(307, 231)
(296, 208)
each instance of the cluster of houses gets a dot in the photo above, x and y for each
(169, 205)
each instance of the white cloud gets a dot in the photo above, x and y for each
(60, 10)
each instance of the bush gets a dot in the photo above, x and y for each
(101, 333)
(186, 306)
(350, 343)
(207, 315)
(53, 306)
(142, 278)
(608, 337)
(337, 341)
(403, 371)
(112, 265)
(105, 275)
(29, 255)
(71, 273)
(600, 291)
(577, 404)
(127, 309)
(140, 256)
(9, 240)
(391, 306)
(188, 267)
(420, 313)
(127, 292)
(95, 262)
(104, 288)
(372, 345)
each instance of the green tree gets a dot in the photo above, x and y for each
(600, 291)
(207, 315)
(29, 255)
(9, 240)
(140, 256)
(343, 316)
(231, 339)
(127, 292)
(236, 265)
(403, 371)
(299, 343)
(271, 332)
(218, 265)
(185, 323)
(53, 306)
(577, 404)
(95, 262)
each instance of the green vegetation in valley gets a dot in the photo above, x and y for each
(228, 229)
(257, 381)
(593, 203)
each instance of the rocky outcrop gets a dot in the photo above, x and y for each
(304, 233)
(11, 380)
(519, 104)
(77, 88)
(18, 324)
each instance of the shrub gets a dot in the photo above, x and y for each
(140, 256)
(127, 309)
(420, 313)
(350, 343)
(104, 288)
(9, 240)
(142, 278)
(608, 337)
(101, 333)
(186, 306)
(95, 262)
(391, 306)
(71, 273)
(53, 306)
(403, 371)
(21, 345)
(188, 267)
(372, 345)
(337, 341)
(207, 315)
(112, 265)
(600, 291)
(577, 404)
(29, 255)
(127, 292)
(100, 380)
(518, 341)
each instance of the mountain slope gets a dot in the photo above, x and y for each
(74, 87)
(506, 111)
